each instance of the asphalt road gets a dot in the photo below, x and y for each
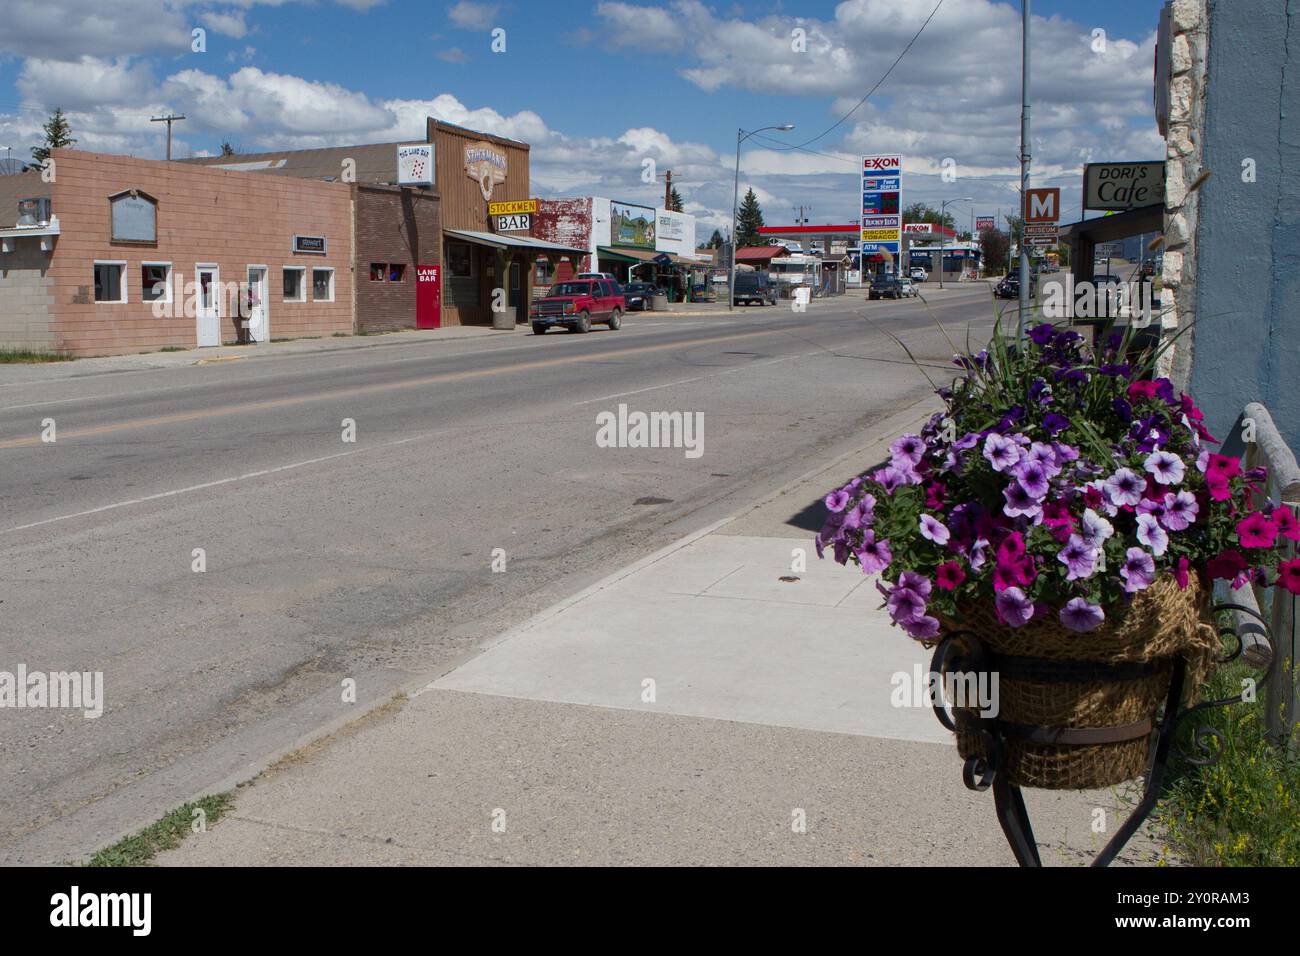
(329, 562)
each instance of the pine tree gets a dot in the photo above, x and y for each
(58, 134)
(675, 201)
(715, 240)
(749, 221)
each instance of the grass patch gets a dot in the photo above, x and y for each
(341, 335)
(1243, 810)
(167, 834)
(30, 357)
(281, 340)
(173, 348)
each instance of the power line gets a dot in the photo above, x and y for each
(864, 99)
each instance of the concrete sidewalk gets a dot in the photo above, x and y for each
(706, 705)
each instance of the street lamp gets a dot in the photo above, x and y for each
(942, 206)
(741, 136)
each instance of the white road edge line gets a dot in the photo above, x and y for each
(210, 484)
(698, 378)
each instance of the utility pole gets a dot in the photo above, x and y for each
(668, 189)
(1024, 169)
(801, 219)
(169, 119)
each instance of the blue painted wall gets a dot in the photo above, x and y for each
(1247, 344)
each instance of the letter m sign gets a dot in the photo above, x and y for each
(1042, 205)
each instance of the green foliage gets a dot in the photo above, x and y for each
(923, 212)
(675, 200)
(748, 221)
(167, 834)
(1243, 810)
(58, 135)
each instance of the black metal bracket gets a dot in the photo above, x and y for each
(962, 651)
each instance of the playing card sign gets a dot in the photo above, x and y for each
(415, 165)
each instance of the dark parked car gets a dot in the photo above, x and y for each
(754, 287)
(638, 295)
(885, 287)
(576, 304)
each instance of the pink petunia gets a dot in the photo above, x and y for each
(1256, 531)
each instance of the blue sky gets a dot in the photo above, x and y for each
(597, 87)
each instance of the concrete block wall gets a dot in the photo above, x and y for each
(206, 215)
(26, 297)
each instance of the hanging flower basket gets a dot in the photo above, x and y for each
(1055, 532)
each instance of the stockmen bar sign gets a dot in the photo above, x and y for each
(881, 225)
(512, 207)
(415, 165)
(517, 222)
(486, 165)
(1120, 186)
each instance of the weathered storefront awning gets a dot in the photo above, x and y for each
(645, 255)
(506, 241)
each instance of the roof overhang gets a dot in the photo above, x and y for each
(1132, 222)
(507, 241)
(46, 234)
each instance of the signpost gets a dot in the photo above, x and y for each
(881, 225)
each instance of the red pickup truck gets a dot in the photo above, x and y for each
(578, 303)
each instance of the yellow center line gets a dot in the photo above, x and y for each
(251, 407)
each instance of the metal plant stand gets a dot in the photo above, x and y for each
(961, 651)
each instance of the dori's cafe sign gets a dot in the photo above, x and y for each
(1120, 186)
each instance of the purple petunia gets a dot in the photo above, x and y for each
(1079, 615)
(1054, 423)
(1180, 510)
(1124, 487)
(1032, 476)
(874, 554)
(1079, 557)
(1151, 534)
(1094, 529)
(1014, 608)
(1166, 467)
(837, 500)
(1002, 453)
(1020, 503)
(907, 450)
(934, 530)
(1139, 570)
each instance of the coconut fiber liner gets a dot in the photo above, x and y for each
(1041, 684)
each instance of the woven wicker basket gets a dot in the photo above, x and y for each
(1139, 643)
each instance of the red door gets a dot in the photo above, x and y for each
(428, 297)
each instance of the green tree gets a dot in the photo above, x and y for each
(995, 246)
(923, 212)
(227, 149)
(716, 240)
(675, 201)
(58, 134)
(749, 220)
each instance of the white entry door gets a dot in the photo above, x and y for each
(208, 305)
(259, 326)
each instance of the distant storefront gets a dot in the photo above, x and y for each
(632, 242)
(133, 255)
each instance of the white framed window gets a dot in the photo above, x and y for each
(295, 283)
(322, 285)
(155, 282)
(110, 282)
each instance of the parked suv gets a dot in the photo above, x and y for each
(753, 287)
(918, 274)
(578, 303)
(885, 286)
